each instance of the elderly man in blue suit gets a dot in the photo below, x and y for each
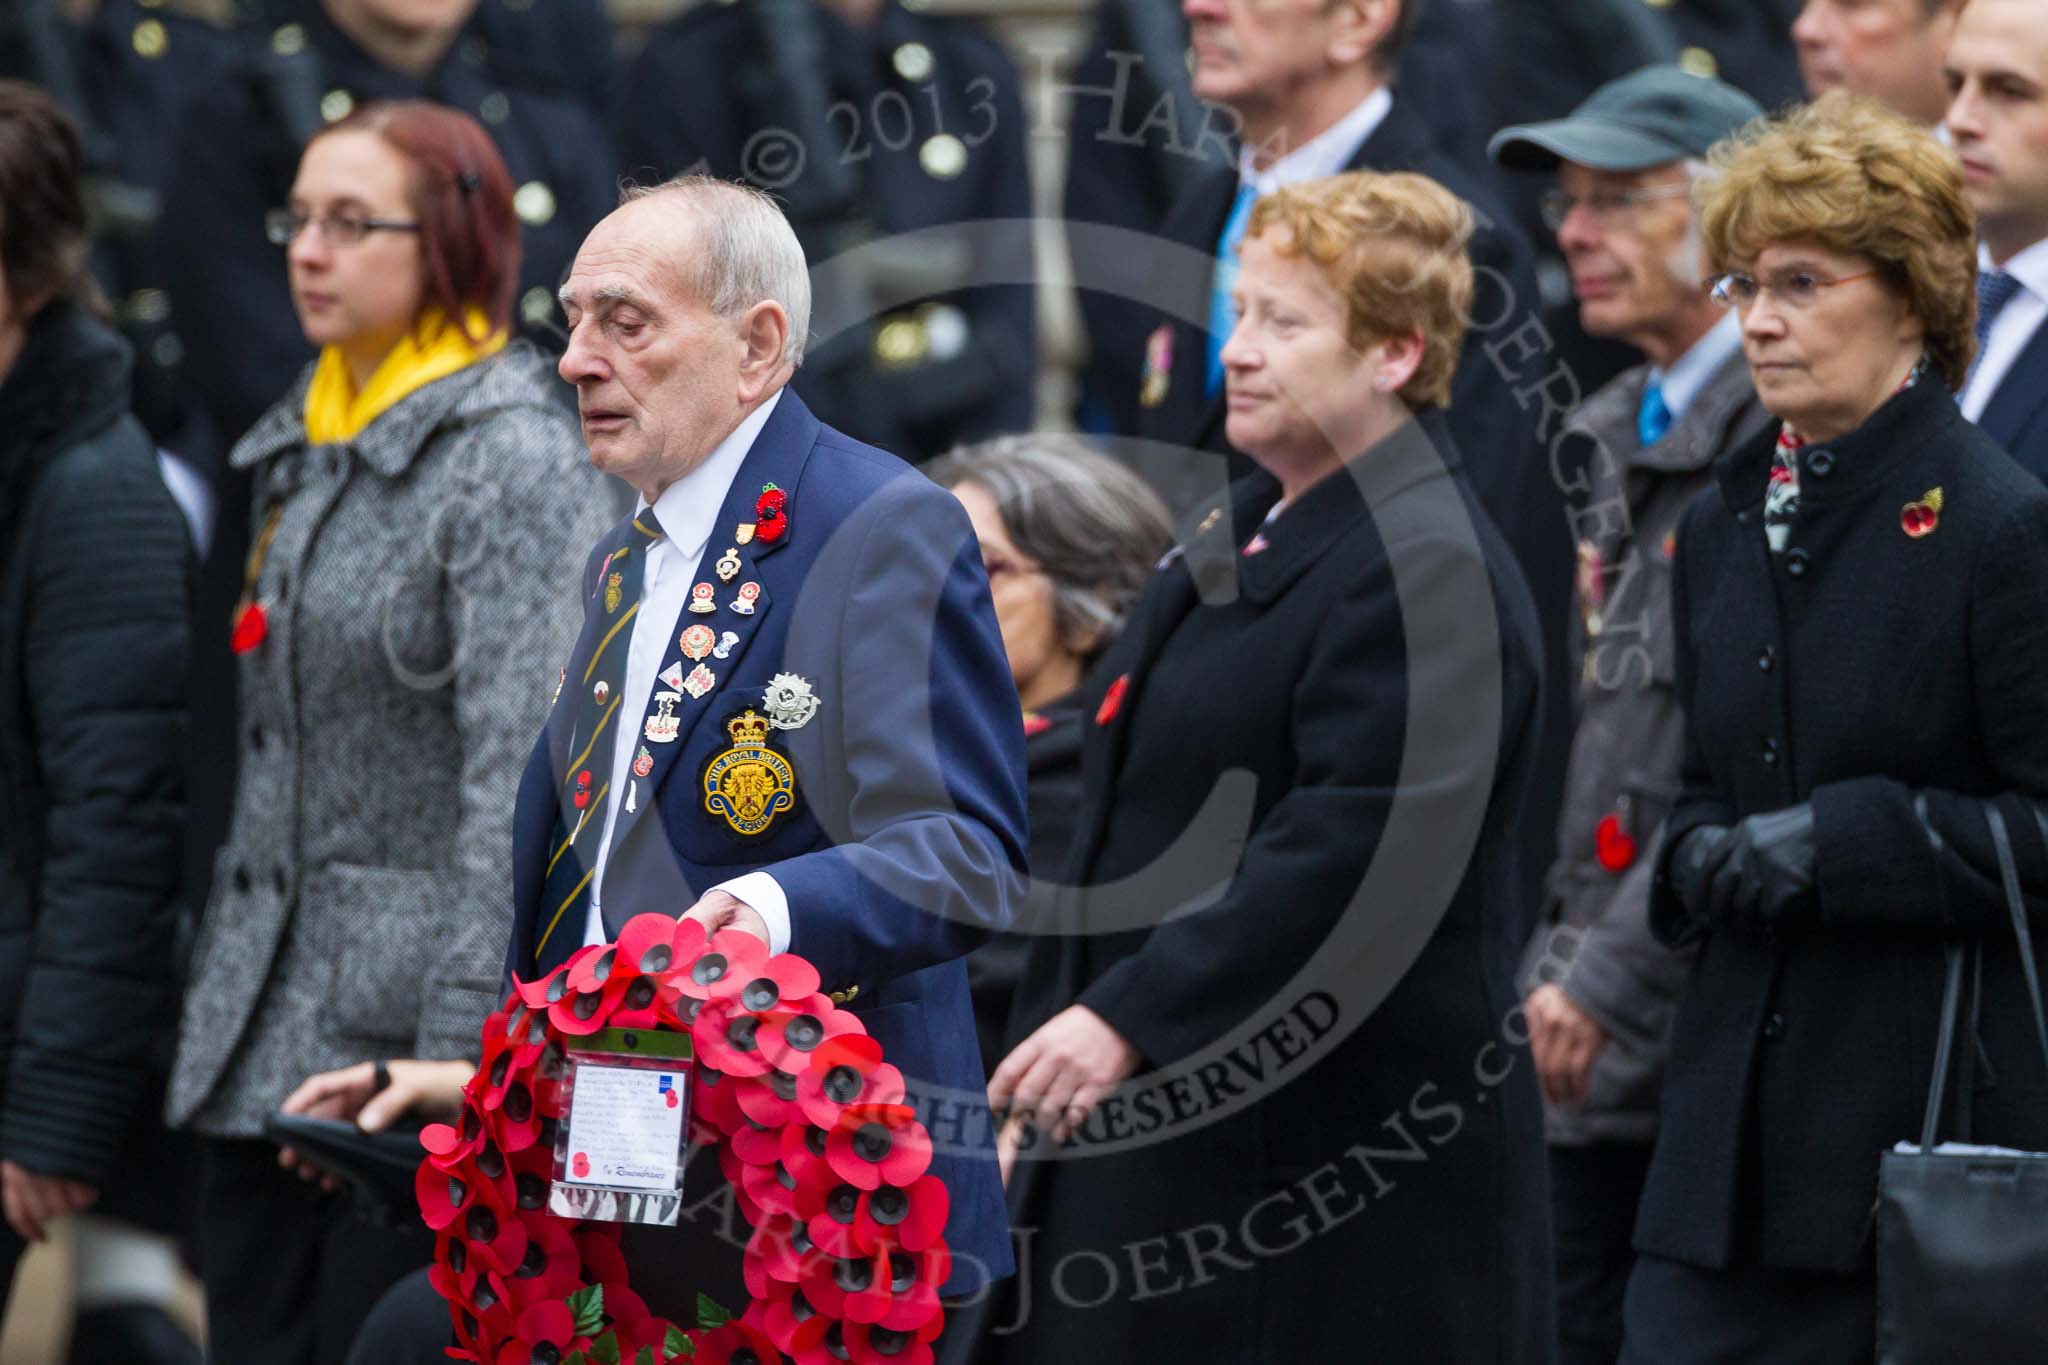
(781, 590)
(789, 711)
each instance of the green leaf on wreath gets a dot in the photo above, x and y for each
(645, 1357)
(605, 1350)
(709, 1312)
(586, 1306)
(674, 1343)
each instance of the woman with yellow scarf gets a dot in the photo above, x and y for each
(421, 501)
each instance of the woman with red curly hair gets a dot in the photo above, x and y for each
(420, 495)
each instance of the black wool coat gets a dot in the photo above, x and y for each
(1896, 683)
(95, 572)
(1298, 902)
(1497, 414)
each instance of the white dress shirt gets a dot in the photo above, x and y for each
(1689, 374)
(1325, 153)
(687, 511)
(2014, 329)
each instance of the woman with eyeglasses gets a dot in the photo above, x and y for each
(421, 499)
(1861, 609)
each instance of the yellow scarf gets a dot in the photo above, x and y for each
(430, 350)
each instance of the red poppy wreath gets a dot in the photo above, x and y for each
(827, 1163)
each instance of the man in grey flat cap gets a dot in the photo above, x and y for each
(1599, 990)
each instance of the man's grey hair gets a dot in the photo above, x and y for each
(1093, 526)
(1688, 264)
(746, 251)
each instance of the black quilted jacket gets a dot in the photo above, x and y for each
(95, 571)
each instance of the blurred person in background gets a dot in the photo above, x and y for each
(421, 492)
(1349, 594)
(1069, 538)
(869, 121)
(95, 574)
(1861, 606)
(1998, 121)
(1890, 50)
(1599, 988)
(125, 70)
(1137, 135)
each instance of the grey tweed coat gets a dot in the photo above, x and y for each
(418, 610)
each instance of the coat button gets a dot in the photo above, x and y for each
(1795, 563)
(1766, 659)
(242, 881)
(277, 879)
(1774, 1028)
(1820, 463)
(1770, 753)
(256, 738)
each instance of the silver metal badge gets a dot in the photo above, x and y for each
(789, 702)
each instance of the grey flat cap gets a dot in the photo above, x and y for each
(1647, 118)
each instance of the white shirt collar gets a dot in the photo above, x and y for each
(1325, 153)
(2029, 267)
(1692, 371)
(688, 508)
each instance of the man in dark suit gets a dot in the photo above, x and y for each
(1309, 81)
(1998, 68)
(789, 711)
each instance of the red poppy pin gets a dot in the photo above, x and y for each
(1113, 700)
(252, 623)
(1613, 845)
(771, 514)
(1920, 518)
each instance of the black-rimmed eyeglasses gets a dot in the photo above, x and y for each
(283, 226)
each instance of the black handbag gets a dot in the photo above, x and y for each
(1962, 1232)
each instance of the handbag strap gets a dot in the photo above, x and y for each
(1973, 1046)
(1944, 1046)
(2016, 902)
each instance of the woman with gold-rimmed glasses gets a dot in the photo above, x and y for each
(1861, 609)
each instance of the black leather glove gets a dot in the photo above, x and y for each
(1694, 862)
(1767, 875)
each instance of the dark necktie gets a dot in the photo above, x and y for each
(1995, 289)
(599, 683)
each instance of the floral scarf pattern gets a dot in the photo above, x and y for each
(1781, 496)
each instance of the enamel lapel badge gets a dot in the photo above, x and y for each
(664, 725)
(1919, 519)
(750, 784)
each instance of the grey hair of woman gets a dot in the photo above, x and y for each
(1093, 526)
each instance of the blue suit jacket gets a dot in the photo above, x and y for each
(907, 843)
(2017, 416)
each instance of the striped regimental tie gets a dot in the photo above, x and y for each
(586, 781)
